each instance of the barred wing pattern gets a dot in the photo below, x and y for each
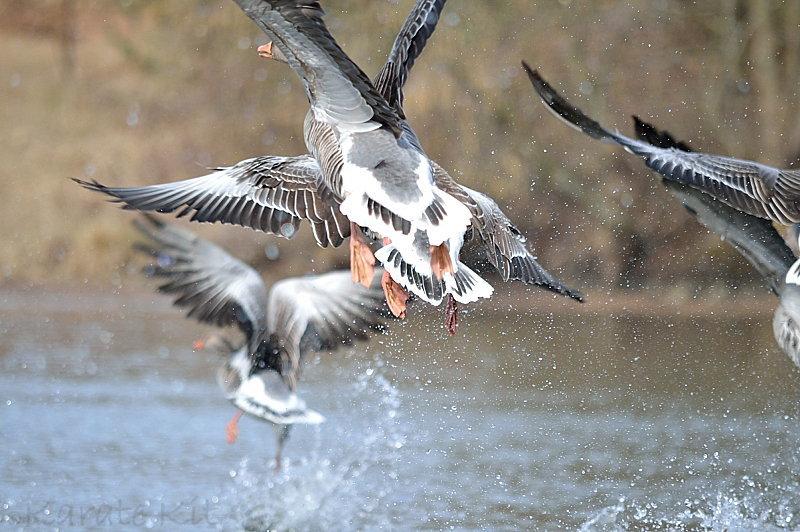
(416, 30)
(503, 242)
(271, 194)
(217, 288)
(322, 313)
(751, 187)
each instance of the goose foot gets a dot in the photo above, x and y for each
(451, 315)
(277, 468)
(231, 430)
(362, 261)
(440, 261)
(396, 297)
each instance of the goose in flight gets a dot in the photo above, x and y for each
(297, 317)
(372, 161)
(274, 194)
(752, 235)
(748, 186)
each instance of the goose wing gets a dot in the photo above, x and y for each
(340, 93)
(216, 287)
(270, 194)
(416, 30)
(758, 241)
(321, 313)
(755, 238)
(506, 251)
(503, 242)
(751, 187)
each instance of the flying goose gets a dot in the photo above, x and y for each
(372, 160)
(274, 194)
(754, 237)
(298, 316)
(748, 186)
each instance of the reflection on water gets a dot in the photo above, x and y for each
(579, 422)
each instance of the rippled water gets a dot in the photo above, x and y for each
(577, 422)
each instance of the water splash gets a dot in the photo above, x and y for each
(726, 513)
(336, 483)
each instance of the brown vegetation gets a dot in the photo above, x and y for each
(156, 88)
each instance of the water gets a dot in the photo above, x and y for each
(546, 422)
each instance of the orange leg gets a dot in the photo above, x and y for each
(440, 261)
(362, 261)
(451, 315)
(231, 430)
(396, 297)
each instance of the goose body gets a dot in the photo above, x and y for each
(369, 156)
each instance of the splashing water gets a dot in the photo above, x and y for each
(335, 482)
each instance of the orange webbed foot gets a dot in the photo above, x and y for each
(231, 429)
(265, 50)
(396, 297)
(440, 261)
(362, 261)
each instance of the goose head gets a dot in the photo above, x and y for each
(267, 51)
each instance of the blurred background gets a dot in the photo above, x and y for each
(137, 92)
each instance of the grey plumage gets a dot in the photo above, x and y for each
(298, 316)
(748, 186)
(719, 193)
(274, 194)
(758, 242)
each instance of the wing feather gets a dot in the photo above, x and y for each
(748, 186)
(261, 193)
(213, 285)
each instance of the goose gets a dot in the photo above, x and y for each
(750, 233)
(373, 161)
(748, 186)
(275, 194)
(282, 327)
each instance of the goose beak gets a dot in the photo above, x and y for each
(265, 50)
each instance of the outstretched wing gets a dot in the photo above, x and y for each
(506, 251)
(270, 194)
(503, 242)
(321, 312)
(214, 286)
(751, 187)
(416, 30)
(341, 94)
(758, 241)
(755, 238)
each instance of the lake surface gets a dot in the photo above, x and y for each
(557, 421)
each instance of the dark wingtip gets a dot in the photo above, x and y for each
(90, 185)
(140, 223)
(660, 139)
(528, 69)
(572, 294)
(96, 186)
(533, 75)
